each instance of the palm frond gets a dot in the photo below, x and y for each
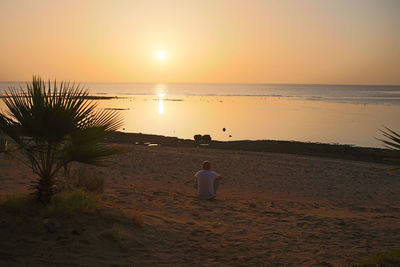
(393, 139)
(10, 128)
(391, 142)
(55, 124)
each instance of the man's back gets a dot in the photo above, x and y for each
(205, 183)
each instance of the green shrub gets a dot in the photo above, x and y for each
(67, 204)
(22, 203)
(62, 205)
(389, 258)
(71, 202)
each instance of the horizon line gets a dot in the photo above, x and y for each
(228, 83)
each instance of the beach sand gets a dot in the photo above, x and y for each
(271, 209)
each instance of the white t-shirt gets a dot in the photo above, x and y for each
(205, 183)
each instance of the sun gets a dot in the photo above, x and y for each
(160, 55)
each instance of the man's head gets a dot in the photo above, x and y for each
(206, 165)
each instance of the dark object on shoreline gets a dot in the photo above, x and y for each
(223, 129)
(206, 138)
(197, 137)
(95, 97)
(346, 152)
(230, 135)
(168, 99)
(117, 109)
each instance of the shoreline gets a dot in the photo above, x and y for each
(267, 207)
(335, 151)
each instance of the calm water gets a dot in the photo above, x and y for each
(356, 94)
(311, 113)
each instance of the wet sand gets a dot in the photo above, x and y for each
(271, 209)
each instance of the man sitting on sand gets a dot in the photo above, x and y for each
(206, 182)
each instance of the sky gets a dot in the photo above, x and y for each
(202, 41)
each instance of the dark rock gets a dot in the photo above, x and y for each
(206, 137)
(197, 137)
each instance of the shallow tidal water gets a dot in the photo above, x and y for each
(345, 114)
(255, 118)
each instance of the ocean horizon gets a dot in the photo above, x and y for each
(338, 114)
(355, 94)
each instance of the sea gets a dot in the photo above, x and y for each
(339, 114)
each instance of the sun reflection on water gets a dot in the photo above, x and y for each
(160, 89)
(160, 104)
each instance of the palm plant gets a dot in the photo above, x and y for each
(392, 142)
(55, 125)
(3, 143)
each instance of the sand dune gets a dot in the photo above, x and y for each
(271, 208)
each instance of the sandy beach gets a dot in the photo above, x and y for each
(296, 104)
(271, 209)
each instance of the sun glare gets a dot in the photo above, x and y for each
(160, 55)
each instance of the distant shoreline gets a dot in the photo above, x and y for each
(227, 83)
(90, 97)
(335, 151)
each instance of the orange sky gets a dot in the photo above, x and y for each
(252, 41)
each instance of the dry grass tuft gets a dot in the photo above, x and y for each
(137, 219)
(117, 235)
(84, 179)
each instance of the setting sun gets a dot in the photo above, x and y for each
(160, 55)
(295, 105)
